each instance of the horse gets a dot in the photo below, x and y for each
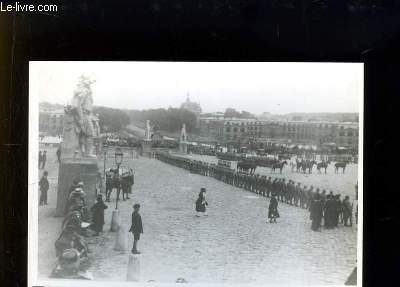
(120, 183)
(246, 166)
(278, 166)
(323, 164)
(284, 157)
(299, 164)
(308, 165)
(341, 165)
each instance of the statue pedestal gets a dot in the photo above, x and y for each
(146, 147)
(70, 169)
(183, 147)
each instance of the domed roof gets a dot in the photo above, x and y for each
(191, 106)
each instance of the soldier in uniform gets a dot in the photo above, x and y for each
(253, 180)
(297, 194)
(303, 196)
(290, 193)
(263, 185)
(44, 187)
(309, 196)
(40, 159)
(273, 213)
(347, 211)
(338, 213)
(323, 196)
(269, 187)
(330, 212)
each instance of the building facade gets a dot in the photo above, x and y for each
(242, 131)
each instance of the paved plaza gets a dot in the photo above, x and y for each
(234, 244)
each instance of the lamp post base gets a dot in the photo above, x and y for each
(115, 220)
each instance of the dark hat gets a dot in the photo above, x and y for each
(136, 206)
(202, 189)
(99, 196)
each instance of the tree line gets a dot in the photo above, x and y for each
(169, 120)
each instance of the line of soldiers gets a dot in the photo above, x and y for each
(286, 191)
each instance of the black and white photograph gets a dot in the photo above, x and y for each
(195, 172)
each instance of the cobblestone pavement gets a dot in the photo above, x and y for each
(234, 244)
(338, 183)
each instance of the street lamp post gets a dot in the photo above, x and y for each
(104, 163)
(115, 214)
(118, 160)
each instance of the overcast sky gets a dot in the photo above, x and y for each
(254, 87)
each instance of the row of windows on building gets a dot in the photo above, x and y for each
(286, 125)
(349, 133)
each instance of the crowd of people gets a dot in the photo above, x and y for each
(322, 205)
(71, 246)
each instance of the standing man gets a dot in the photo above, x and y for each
(347, 211)
(136, 227)
(40, 159)
(44, 187)
(273, 213)
(329, 213)
(44, 158)
(59, 154)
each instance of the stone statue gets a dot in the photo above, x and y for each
(96, 125)
(183, 133)
(147, 135)
(79, 126)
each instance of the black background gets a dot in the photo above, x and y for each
(170, 30)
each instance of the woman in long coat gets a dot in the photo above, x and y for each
(98, 214)
(316, 213)
(273, 213)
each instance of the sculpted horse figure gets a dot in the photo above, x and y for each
(279, 166)
(323, 164)
(341, 165)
